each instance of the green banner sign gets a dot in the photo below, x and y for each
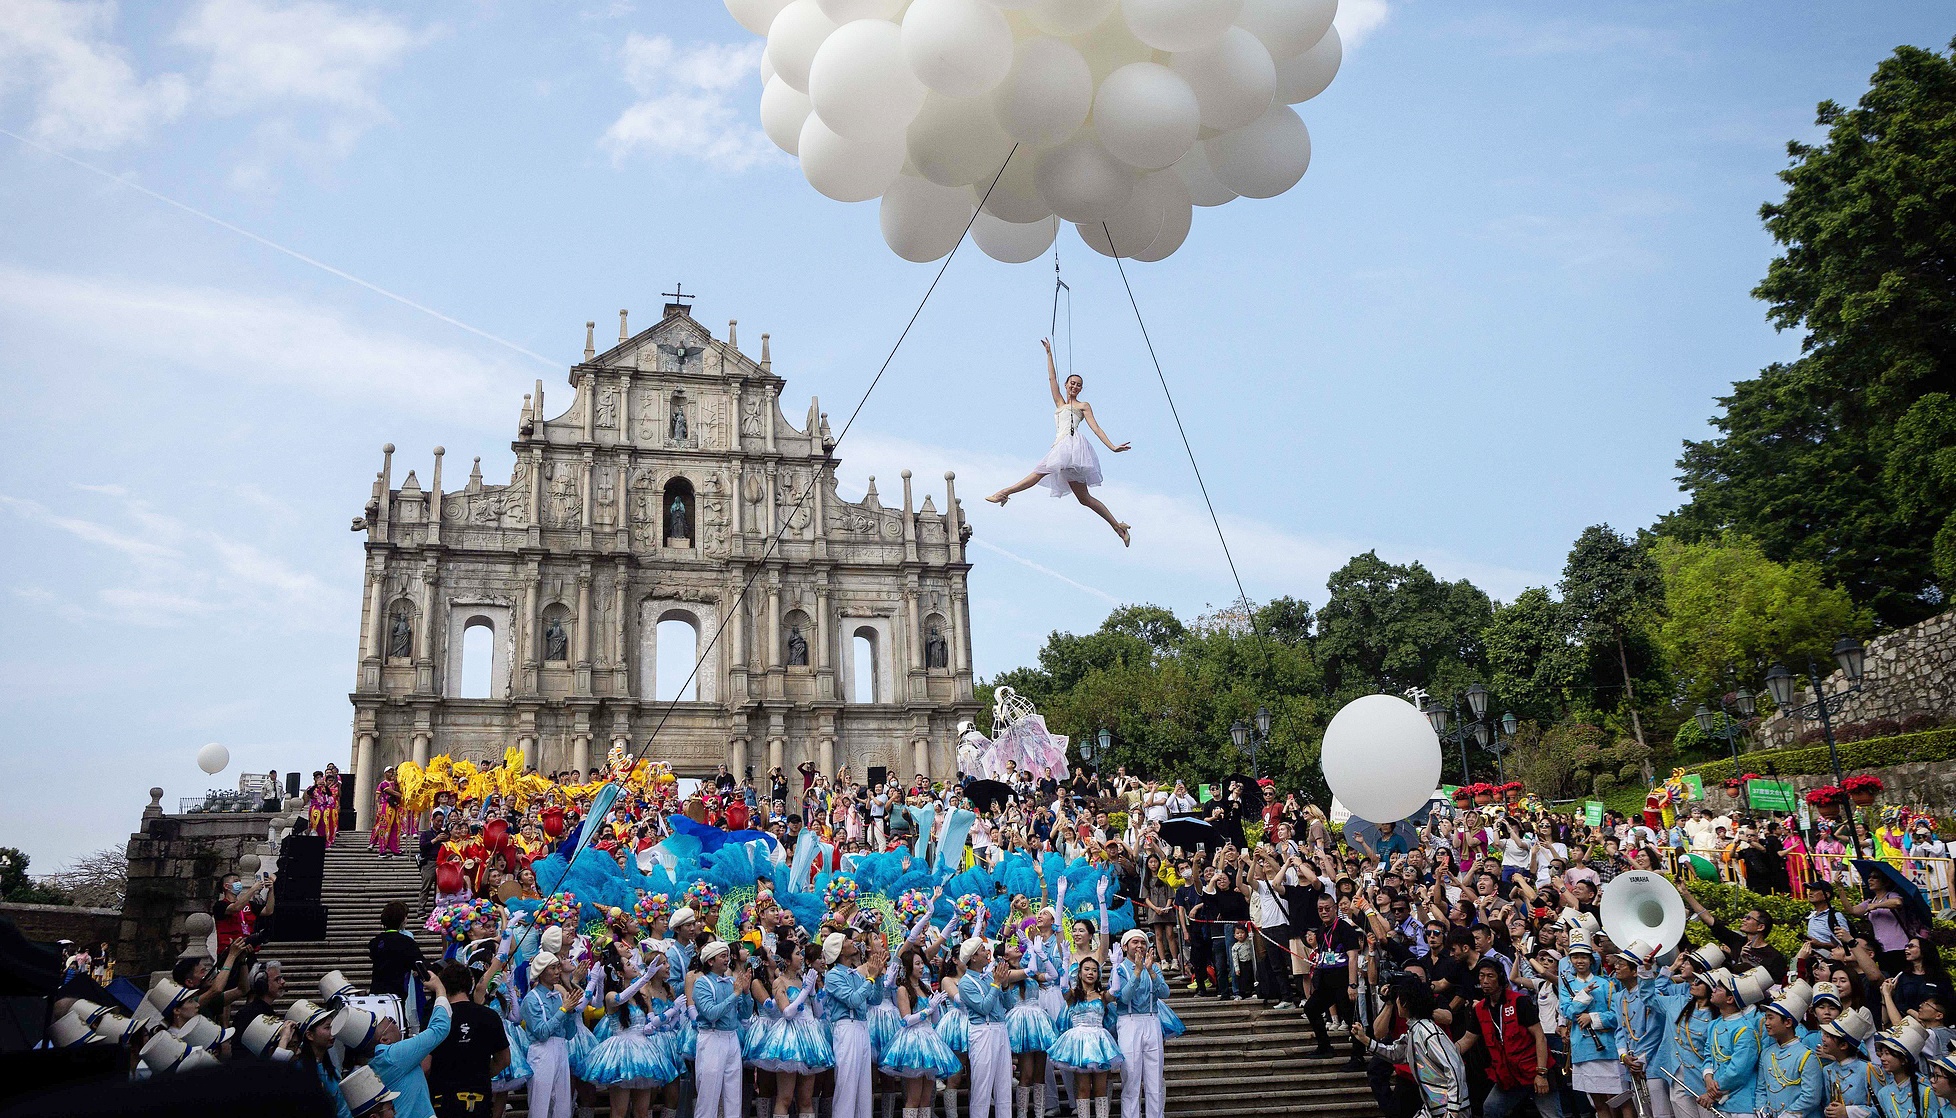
(1592, 812)
(1696, 784)
(1770, 795)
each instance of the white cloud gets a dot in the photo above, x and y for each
(1357, 19)
(309, 70)
(84, 91)
(259, 339)
(684, 104)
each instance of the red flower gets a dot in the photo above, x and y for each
(1827, 794)
(1862, 783)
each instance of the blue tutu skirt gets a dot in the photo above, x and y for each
(1030, 1029)
(798, 1045)
(1171, 1025)
(753, 1035)
(688, 1037)
(1086, 1047)
(628, 1058)
(582, 1044)
(666, 1042)
(884, 1024)
(954, 1028)
(917, 1052)
(518, 1072)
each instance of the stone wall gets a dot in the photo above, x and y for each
(175, 863)
(1909, 671)
(48, 923)
(1920, 784)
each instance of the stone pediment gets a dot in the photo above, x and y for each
(677, 344)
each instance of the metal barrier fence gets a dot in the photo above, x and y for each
(1936, 877)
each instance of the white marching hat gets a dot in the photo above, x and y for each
(164, 1054)
(69, 1031)
(165, 995)
(306, 1014)
(115, 1028)
(1855, 1027)
(335, 985)
(354, 1027)
(260, 1033)
(1826, 992)
(1794, 1001)
(1752, 987)
(1908, 1038)
(363, 1091)
(202, 1032)
(1710, 957)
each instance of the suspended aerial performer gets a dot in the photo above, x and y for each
(1071, 465)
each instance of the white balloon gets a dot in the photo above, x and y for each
(1070, 17)
(1133, 230)
(213, 758)
(793, 38)
(1381, 758)
(1200, 178)
(755, 15)
(1233, 79)
(784, 109)
(1015, 197)
(1306, 75)
(1146, 117)
(1082, 182)
(1008, 243)
(1174, 25)
(959, 48)
(845, 11)
(860, 84)
(955, 141)
(1111, 46)
(923, 221)
(1264, 158)
(1047, 94)
(767, 69)
(1287, 27)
(844, 169)
(1177, 215)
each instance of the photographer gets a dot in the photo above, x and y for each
(396, 957)
(239, 907)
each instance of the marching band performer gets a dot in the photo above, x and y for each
(1897, 1049)
(1732, 1072)
(1688, 1018)
(1640, 1032)
(1594, 1067)
(1790, 1080)
(1842, 1042)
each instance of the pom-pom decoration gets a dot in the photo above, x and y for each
(912, 904)
(841, 890)
(561, 908)
(969, 907)
(700, 896)
(650, 907)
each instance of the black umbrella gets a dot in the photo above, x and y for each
(1188, 833)
(1252, 795)
(1914, 904)
(988, 795)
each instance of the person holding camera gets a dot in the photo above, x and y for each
(239, 907)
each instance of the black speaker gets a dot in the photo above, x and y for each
(298, 922)
(291, 784)
(301, 866)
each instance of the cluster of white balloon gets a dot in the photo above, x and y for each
(1125, 113)
(1381, 758)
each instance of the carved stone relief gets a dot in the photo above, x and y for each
(713, 423)
(751, 423)
(562, 508)
(604, 512)
(608, 406)
(716, 515)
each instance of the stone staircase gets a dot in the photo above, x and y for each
(1238, 1059)
(358, 882)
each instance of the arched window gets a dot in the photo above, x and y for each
(868, 688)
(478, 658)
(554, 639)
(679, 642)
(399, 642)
(676, 513)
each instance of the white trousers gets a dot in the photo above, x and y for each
(550, 1078)
(716, 1074)
(1140, 1036)
(1660, 1096)
(990, 1050)
(853, 1060)
(1682, 1104)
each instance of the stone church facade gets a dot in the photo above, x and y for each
(670, 482)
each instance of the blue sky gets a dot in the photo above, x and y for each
(1510, 285)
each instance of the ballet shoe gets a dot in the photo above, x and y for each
(1122, 531)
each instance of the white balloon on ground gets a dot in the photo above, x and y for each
(923, 221)
(1196, 174)
(1177, 215)
(1146, 116)
(860, 84)
(1046, 96)
(844, 11)
(1133, 230)
(1015, 197)
(1173, 25)
(213, 758)
(793, 38)
(1381, 758)
(1287, 27)
(1233, 78)
(1069, 17)
(959, 48)
(1264, 158)
(1305, 76)
(956, 141)
(1111, 46)
(844, 169)
(784, 109)
(1081, 181)
(755, 15)
(1010, 243)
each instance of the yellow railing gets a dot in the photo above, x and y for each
(1936, 877)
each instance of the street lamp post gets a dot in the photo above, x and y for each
(1708, 719)
(1248, 739)
(1094, 746)
(1851, 656)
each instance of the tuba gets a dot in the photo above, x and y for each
(1642, 907)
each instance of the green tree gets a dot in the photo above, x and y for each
(1731, 607)
(1801, 461)
(1537, 668)
(1387, 627)
(1610, 587)
(18, 887)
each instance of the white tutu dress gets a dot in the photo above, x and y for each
(1071, 457)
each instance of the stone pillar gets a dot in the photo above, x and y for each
(737, 755)
(434, 501)
(424, 644)
(364, 779)
(581, 752)
(822, 652)
(773, 515)
(827, 760)
(526, 626)
(376, 608)
(422, 741)
(962, 624)
(581, 655)
(922, 750)
(587, 390)
(587, 494)
(387, 490)
(775, 748)
(626, 436)
(535, 532)
(954, 546)
(767, 417)
(773, 621)
(620, 594)
(528, 744)
(909, 523)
